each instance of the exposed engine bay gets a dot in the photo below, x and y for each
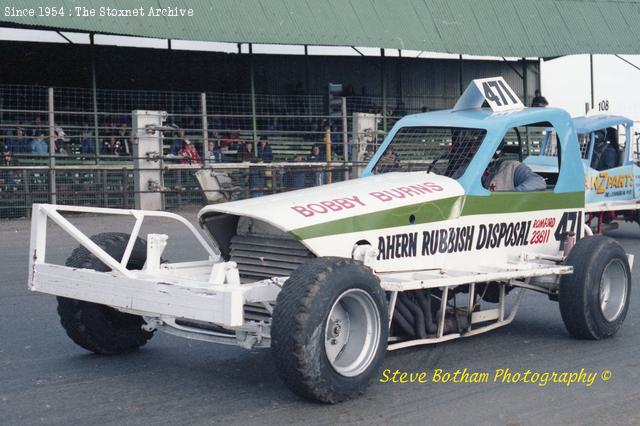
(260, 250)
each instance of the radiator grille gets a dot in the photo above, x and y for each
(263, 256)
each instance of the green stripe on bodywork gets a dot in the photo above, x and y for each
(517, 202)
(445, 209)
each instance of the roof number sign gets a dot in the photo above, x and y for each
(495, 91)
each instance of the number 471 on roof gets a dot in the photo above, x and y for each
(494, 90)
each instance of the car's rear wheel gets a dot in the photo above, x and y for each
(594, 300)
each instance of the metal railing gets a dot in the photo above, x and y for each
(109, 185)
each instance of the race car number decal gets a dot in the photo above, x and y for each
(490, 88)
(569, 222)
(494, 90)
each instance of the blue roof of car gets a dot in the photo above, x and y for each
(596, 122)
(483, 118)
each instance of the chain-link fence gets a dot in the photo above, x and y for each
(75, 145)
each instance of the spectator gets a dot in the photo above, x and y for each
(112, 146)
(189, 154)
(539, 100)
(123, 140)
(256, 179)
(36, 126)
(214, 153)
(336, 141)
(297, 176)
(87, 142)
(230, 142)
(178, 143)
(6, 156)
(317, 156)
(7, 176)
(18, 143)
(247, 152)
(215, 138)
(59, 141)
(264, 150)
(39, 145)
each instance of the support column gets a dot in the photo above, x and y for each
(591, 80)
(328, 154)
(540, 74)
(345, 138)
(460, 74)
(525, 82)
(384, 92)
(253, 102)
(399, 77)
(52, 149)
(94, 96)
(307, 80)
(205, 127)
(525, 99)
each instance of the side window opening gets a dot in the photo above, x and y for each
(622, 144)
(506, 171)
(584, 141)
(607, 152)
(551, 143)
(443, 150)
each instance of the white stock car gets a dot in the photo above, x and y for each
(416, 252)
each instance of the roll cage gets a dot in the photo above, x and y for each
(496, 125)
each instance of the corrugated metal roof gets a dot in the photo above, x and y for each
(481, 27)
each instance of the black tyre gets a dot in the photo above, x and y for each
(594, 299)
(99, 328)
(329, 330)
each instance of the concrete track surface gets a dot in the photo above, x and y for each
(46, 379)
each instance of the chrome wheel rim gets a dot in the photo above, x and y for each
(352, 333)
(613, 290)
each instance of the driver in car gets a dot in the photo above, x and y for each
(511, 175)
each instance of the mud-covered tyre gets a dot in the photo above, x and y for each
(329, 330)
(594, 300)
(99, 328)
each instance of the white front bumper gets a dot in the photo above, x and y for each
(154, 296)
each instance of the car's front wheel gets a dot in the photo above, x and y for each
(330, 329)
